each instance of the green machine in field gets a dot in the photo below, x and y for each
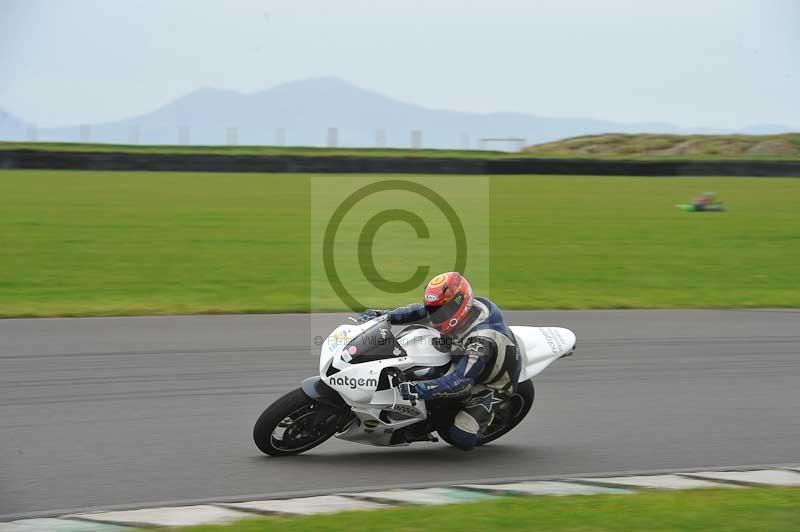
(705, 202)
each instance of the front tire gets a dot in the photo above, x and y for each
(294, 424)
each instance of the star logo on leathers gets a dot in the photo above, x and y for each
(485, 399)
(475, 346)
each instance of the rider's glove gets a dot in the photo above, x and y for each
(408, 391)
(368, 315)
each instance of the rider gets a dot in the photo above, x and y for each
(488, 365)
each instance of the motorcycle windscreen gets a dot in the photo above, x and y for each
(376, 343)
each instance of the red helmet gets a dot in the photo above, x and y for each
(448, 300)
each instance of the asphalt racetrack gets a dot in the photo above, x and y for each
(104, 412)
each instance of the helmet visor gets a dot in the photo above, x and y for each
(443, 313)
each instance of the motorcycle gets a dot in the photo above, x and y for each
(355, 397)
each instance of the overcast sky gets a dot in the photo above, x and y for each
(721, 63)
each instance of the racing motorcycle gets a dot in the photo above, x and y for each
(355, 397)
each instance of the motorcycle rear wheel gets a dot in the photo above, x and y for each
(519, 404)
(294, 424)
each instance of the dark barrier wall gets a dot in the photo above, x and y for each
(26, 159)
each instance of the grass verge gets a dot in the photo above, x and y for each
(785, 146)
(774, 509)
(611, 146)
(126, 243)
(306, 151)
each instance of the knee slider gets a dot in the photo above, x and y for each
(462, 439)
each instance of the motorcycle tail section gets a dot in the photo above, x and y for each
(540, 346)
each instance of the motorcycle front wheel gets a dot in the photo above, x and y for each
(294, 424)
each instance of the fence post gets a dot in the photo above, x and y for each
(464, 141)
(232, 136)
(416, 139)
(133, 135)
(184, 136)
(333, 137)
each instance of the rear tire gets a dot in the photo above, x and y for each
(299, 422)
(520, 403)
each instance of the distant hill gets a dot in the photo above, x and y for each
(786, 145)
(300, 113)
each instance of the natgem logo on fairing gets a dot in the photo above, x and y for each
(353, 382)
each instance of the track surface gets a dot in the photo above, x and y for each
(126, 411)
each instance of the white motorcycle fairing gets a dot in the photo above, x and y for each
(353, 364)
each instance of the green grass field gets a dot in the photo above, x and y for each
(728, 510)
(121, 243)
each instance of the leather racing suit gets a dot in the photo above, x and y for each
(485, 372)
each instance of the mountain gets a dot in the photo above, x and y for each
(11, 127)
(300, 113)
